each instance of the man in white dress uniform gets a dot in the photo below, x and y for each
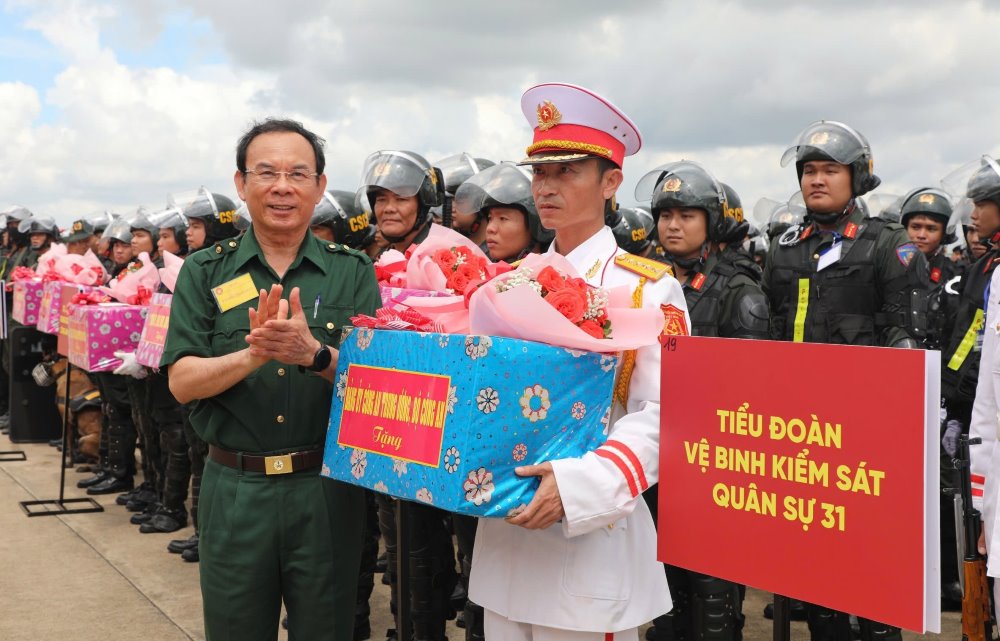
(579, 563)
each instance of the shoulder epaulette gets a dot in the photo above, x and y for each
(647, 267)
(337, 248)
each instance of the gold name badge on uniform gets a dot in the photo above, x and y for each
(235, 292)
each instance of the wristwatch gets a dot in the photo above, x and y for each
(321, 360)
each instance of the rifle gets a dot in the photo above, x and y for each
(976, 623)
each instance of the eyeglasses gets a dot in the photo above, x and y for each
(269, 176)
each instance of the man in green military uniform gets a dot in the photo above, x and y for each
(259, 370)
(845, 278)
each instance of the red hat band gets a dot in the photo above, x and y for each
(578, 139)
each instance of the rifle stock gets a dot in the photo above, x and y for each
(976, 623)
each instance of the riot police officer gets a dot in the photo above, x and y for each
(42, 232)
(636, 231)
(402, 187)
(211, 217)
(338, 218)
(872, 278)
(775, 216)
(118, 433)
(500, 196)
(16, 253)
(701, 227)
(756, 244)
(929, 219)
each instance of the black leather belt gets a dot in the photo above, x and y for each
(277, 464)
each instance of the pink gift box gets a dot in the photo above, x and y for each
(154, 331)
(52, 303)
(96, 332)
(27, 301)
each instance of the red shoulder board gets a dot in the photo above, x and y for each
(936, 274)
(698, 281)
(850, 230)
(674, 323)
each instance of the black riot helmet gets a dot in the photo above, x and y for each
(406, 174)
(504, 185)
(140, 221)
(688, 184)
(11, 217)
(734, 211)
(241, 220)
(351, 225)
(837, 142)
(171, 218)
(775, 216)
(636, 230)
(933, 203)
(756, 244)
(39, 225)
(120, 230)
(456, 170)
(217, 212)
(459, 168)
(984, 184)
(100, 220)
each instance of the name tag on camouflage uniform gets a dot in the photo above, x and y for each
(235, 292)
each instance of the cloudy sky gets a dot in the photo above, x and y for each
(117, 103)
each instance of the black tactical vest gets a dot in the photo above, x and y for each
(960, 358)
(839, 304)
(705, 302)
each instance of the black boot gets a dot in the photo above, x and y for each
(90, 481)
(111, 485)
(191, 554)
(179, 545)
(165, 521)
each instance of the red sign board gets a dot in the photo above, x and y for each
(805, 470)
(395, 412)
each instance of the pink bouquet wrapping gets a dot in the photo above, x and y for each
(137, 284)
(48, 260)
(52, 303)
(27, 301)
(75, 270)
(171, 267)
(544, 300)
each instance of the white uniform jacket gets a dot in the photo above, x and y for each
(596, 570)
(986, 456)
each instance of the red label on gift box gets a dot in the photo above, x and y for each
(395, 412)
(813, 472)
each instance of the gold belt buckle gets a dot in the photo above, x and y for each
(278, 464)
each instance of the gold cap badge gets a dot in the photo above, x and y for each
(926, 199)
(672, 184)
(548, 115)
(819, 138)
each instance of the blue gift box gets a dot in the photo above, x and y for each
(445, 418)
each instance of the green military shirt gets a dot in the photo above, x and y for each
(277, 408)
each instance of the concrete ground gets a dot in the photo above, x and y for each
(94, 577)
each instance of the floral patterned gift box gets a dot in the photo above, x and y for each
(445, 418)
(96, 332)
(52, 304)
(27, 301)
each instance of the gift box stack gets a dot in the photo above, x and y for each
(53, 304)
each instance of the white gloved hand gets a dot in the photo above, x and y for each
(949, 441)
(129, 366)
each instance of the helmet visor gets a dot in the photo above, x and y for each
(832, 139)
(169, 218)
(505, 183)
(396, 171)
(977, 180)
(120, 229)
